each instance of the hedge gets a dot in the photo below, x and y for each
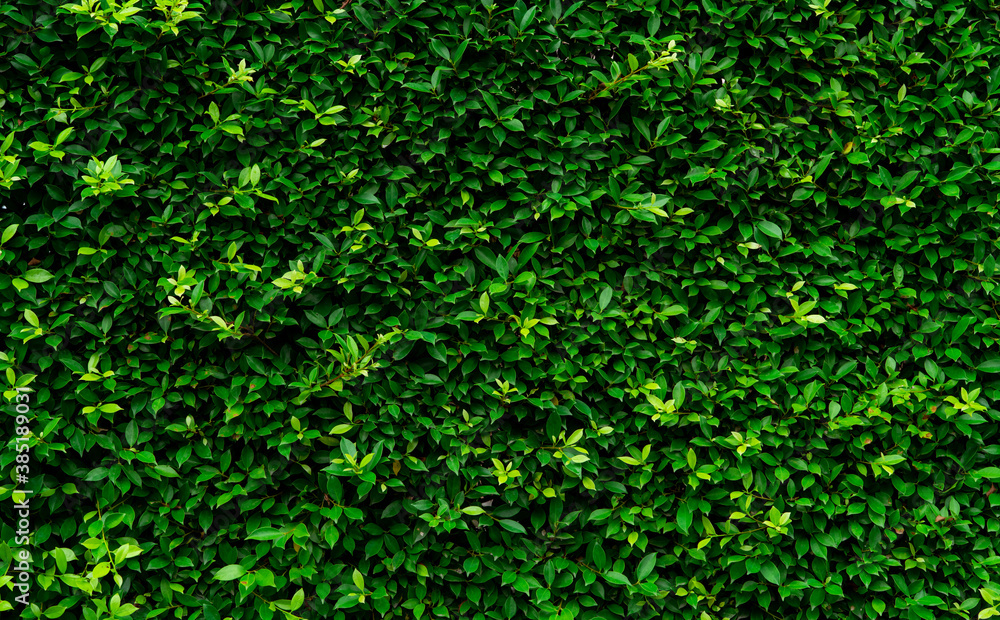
(477, 310)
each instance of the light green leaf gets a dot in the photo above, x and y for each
(992, 473)
(891, 459)
(297, 599)
(265, 533)
(228, 573)
(857, 157)
(37, 276)
(65, 133)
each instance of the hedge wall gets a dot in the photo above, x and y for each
(475, 310)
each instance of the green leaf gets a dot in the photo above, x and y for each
(646, 566)
(364, 17)
(605, 298)
(502, 269)
(992, 473)
(210, 612)
(711, 145)
(770, 572)
(892, 459)
(324, 240)
(438, 47)
(617, 578)
(230, 572)
(684, 517)
(37, 276)
(989, 366)
(166, 470)
(812, 76)
(512, 526)
(94, 475)
(858, 157)
(600, 557)
(297, 599)
(8, 233)
(7, 142)
(131, 433)
(770, 229)
(65, 133)
(513, 124)
(678, 394)
(266, 533)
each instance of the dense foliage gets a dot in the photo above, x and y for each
(473, 310)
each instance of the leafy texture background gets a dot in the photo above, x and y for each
(477, 311)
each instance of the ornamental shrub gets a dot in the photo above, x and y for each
(472, 310)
